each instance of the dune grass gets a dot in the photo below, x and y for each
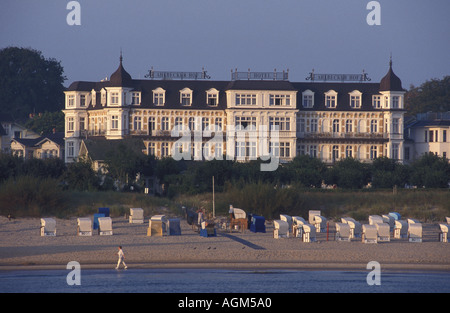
(29, 196)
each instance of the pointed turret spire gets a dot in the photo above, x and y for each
(121, 78)
(390, 82)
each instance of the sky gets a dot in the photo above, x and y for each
(329, 36)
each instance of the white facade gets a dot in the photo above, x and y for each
(330, 121)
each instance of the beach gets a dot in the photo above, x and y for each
(22, 247)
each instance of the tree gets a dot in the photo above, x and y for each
(123, 164)
(387, 173)
(433, 95)
(80, 176)
(47, 122)
(29, 83)
(431, 171)
(306, 170)
(349, 173)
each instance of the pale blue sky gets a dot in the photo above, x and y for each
(185, 35)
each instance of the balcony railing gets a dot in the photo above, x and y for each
(356, 135)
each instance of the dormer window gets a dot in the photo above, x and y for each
(70, 100)
(135, 98)
(308, 99)
(186, 97)
(82, 100)
(355, 99)
(278, 100)
(103, 98)
(159, 96)
(212, 97)
(376, 102)
(114, 98)
(395, 102)
(330, 99)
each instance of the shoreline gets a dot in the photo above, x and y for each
(22, 248)
(404, 268)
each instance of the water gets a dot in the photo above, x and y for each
(220, 281)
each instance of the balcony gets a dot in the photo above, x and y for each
(344, 136)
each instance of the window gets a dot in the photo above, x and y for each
(331, 102)
(314, 125)
(70, 100)
(283, 123)
(313, 151)
(137, 123)
(245, 99)
(308, 99)
(212, 97)
(159, 96)
(444, 135)
(218, 123)
(330, 99)
(245, 121)
(349, 126)
(83, 100)
(70, 124)
(114, 98)
(205, 123)
(278, 100)
(245, 149)
(70, 149)
(348, 151)
(373, 126)
(151, 148)
(395, 147)
(335, 153)
(395, 102)
(192, 123)
(151, 125)
(164, 149)
(285, 149)
(82, 123)
(373, 152)
(165, 123)
(376, 102)
(135, 98)
(178, 121)
(186, 97)
(274, 149)
(335, 126)
(395, 126)
(431, 136)
(407, 156)
(300, 149)
(300, 125)
(355, 99)
(114, 122)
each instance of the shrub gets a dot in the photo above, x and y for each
(31, 196)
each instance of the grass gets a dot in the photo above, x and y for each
(29, 196)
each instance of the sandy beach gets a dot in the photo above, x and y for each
(22, 247)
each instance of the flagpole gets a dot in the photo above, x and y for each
(214, 209)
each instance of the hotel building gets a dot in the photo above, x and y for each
(327, 120)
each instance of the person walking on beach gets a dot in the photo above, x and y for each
(121, 258)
